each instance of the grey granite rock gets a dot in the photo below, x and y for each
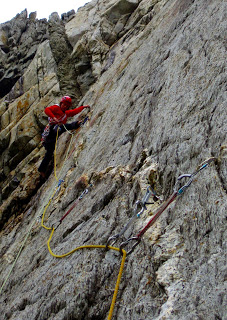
(158, 98)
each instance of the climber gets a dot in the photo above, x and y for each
(57, 118)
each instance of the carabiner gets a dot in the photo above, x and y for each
(56, 225)
(110, 239)
(83, 193)
(202, 166)
(143, 207)
(182, 189)
(125, 243)
(145, 199)
(60, 182)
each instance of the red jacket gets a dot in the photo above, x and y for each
(56, 112)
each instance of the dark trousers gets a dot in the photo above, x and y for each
(49, 144)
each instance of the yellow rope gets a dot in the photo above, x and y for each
(67, 130)
(55, 174)
(75, 249)
(55, 148)
(55, 151)
(26, 238)
(45, 209)
(33, 223)
(95, 247)
(117, 283)
(35, 219)
(85, 246)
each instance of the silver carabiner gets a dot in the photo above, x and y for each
(125, 243)
(145, 199)
(182, 189)
(113, 238)
(142, 203)
(202, 166)
(83, 193)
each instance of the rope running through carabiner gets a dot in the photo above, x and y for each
(88, 246)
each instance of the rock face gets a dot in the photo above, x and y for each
(19, 40)
(154, 73)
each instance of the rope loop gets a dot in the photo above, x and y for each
(177, 191)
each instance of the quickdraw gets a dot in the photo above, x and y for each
(150, 192)
(72, 207)
(178, 190)
(122, 251)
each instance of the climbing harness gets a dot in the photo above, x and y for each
(46, 130)
(177, 192)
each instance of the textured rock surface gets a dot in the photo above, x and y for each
(154, 73)
(20, 38)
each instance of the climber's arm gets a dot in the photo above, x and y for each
(73, 112)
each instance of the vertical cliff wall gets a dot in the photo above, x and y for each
(154, 74)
